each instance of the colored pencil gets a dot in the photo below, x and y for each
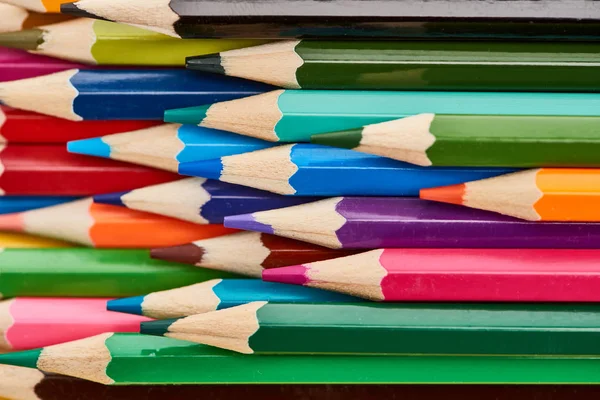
(51, 170)
(42, 6)
(219, 294)
(515, 275)
(310, 18)
(100, 225)
(29, 322)
(199, 200)
(168, 145)
(472, 140)
(17, 18)
(246, 253)
(18, 64)
(10, 240)
(81, 272)
(296, 115)
(106, 43)
(120, 94)
(12, 204)
(261, 327)
(134, 359)
(313, 170)
(546, 194)
(20, 126)
(380, 222)
(404, 65)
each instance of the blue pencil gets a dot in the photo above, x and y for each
(121, 94)
(168, 145)
(218, 294)
(313, 170)
(199, 200)
(12, 204)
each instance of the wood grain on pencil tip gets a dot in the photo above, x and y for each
(101, 225)
(394, 222)
(547, 194)
(16, 18)
(246, 253)
(499, 275)
(405, 65)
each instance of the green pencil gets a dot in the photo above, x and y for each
(81, 272)
(133, 359)
(412, 328)
(404, 65)
(478, 140)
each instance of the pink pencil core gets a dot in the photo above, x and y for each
(294, 275)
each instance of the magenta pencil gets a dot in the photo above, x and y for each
(19, 64)
(454, 275)
(28, 323)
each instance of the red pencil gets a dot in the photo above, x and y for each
(51, 170)
(19, 126)
(512, 275)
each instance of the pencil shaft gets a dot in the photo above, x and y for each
(10, 240)
(18, 64)
(92, 273)
(12, 204)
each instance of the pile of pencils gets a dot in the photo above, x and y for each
(348, 191)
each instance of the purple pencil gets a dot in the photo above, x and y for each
(394, 222)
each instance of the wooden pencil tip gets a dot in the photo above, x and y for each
(206, 63)
(25, 40)
(73, 9)
(189, 115)
(185, 254)
(452, 194)
(156, 328)
(12, 222)
(27, 358)
(293, 275)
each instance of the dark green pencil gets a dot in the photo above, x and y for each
(418, 65)
(478, 140)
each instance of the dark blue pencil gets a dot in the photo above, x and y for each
(313, 170)
(121, 94)
(199, 200)
(12, 204)
(166, 146)
(218, 294)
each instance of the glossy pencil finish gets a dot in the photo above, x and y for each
(29, 322)
(18, 64)
(166, 146)
(367, 223)
(199, 200)
(498, 275)
(19, 126)
(219, 294)
(121, 94)
(246, 253)
(313, 170)
(100, 225)
(12, 204)
(11, 240)
(44, 170)
(404, 65)
(107, 43)
(478, 140)
(80, 272)
(133, 359)
(17, 18)
(545, 194)
(295, 115)
(418, 328)
(343, 19)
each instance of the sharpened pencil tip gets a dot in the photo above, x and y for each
(90, 147)
(110, 198)
(27, 358)
(12, 222)
(452, 194)
(129, 305)
(293, 275)
(185, 254)
(73, 9)
(348, 139)
(156, 328)
(210, 169)
(247, 222)
(207, 63)
(28, 39)
(189, 115)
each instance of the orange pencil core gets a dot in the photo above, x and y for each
(569, 194)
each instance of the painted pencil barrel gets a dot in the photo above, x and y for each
(11, 240)
(12, 204)
(18, 64)
(91, 273)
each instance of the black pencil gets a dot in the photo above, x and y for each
(352, 18)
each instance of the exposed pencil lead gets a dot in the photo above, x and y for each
(25, 40)
(207, 63)
(156, 328)
(210, 169)
(72, 9)
(111, 198)
(247, 222)
(27, 358)
(189, 115)
(90, 147)
(446, 194)
(185, 254)
(129, 305)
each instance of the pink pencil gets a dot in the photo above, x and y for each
(502, 275)
(19, 64)
(28, 322)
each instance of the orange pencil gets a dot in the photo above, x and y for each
(41, 6)
(546, 194)
(100, 225)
